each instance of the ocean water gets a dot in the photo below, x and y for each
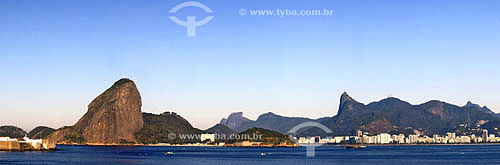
(431, 154)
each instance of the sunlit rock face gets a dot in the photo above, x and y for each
(112, 118)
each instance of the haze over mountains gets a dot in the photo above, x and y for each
(115, 117)
(269, 120)
(395, 115)
(388, 115)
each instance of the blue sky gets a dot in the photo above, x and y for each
(56, 56)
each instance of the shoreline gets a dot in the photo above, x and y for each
(186, 145)
(413, 144)
(29, 150)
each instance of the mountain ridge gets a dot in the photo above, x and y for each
(386, 115)
(157, 128)
(394, 115)
(221, 130)
(40, 132)
(269, 120)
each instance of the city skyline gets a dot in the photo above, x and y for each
(56, 57)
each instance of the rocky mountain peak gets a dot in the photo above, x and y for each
(472, 105)
(268, 114)
(487, 110)
(345, 97)
(123, 81)
(345, 102)
(236, 115)
(477, 106)
(112, 117)
(234, 120)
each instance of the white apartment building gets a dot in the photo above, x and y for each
(209, 137)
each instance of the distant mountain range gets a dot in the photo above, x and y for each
(115, 117)
(269, 120)
(397, 116)
(390, 115)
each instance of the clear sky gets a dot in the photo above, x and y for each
(56, 56)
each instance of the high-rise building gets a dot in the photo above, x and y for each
(401, 138)
(209, 137)
(359, 133)
(485, 135)
(413, 139)
(491, 138)
(317, 139)
(451, 135)
(385, 138)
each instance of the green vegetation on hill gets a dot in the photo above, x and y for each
(265, 136)
(221, 130)
(158, 127)
(40, 132)
(269, 120)
(12, 131)
(279, 123)
(72, 136)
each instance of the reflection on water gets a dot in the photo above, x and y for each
(435, 154)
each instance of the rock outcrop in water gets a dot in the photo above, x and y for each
(112, 118)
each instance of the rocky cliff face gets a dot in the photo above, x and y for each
(112, 118)
(237, 122)
(477, 106)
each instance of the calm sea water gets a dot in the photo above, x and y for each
(434, 154)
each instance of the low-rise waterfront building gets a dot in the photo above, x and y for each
(19, 144)
(209, 137)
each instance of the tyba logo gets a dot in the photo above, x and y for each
(191, 23)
